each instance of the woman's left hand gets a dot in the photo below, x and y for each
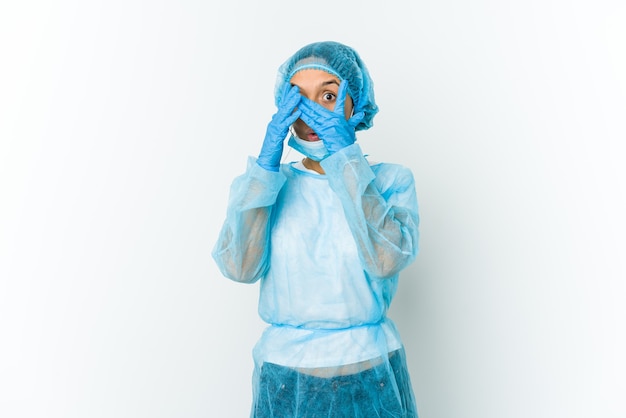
(331, 126)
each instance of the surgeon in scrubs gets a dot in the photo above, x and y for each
(326, 237)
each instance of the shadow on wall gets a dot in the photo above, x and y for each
(411, 309)
(408, 308)
(412, 312)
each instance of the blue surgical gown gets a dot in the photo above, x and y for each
(327, 250)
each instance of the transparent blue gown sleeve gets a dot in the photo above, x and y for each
(241, 251)
(384, 227)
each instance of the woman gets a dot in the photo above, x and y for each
(327, 237)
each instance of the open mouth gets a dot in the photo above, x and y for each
(312, 136)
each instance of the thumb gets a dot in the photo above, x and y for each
(356, 119)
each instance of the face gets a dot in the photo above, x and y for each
(320, 87)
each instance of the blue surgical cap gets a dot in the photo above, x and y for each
(341, 61)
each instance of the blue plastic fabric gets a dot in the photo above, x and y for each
(331, 126)
(328, 250)
(272, 149)
(341, 61)
(285, 392)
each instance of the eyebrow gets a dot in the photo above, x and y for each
(325, 83)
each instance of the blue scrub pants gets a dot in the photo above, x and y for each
(286, 393)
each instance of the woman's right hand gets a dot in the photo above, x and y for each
(272, 149)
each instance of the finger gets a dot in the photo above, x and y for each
(283, 94)
(356, 119)
(290, 102)
(314, 108)
(293, 117)
(312, 121)
(315, 111)
(293, 91)
(341, 97)
(287, 94)
(293, 95)
(286, 89)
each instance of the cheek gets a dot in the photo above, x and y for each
(300, 127)
(299, 124)
(348, 107)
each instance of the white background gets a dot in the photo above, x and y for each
(122, 124)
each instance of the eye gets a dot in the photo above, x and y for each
(329, 97)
